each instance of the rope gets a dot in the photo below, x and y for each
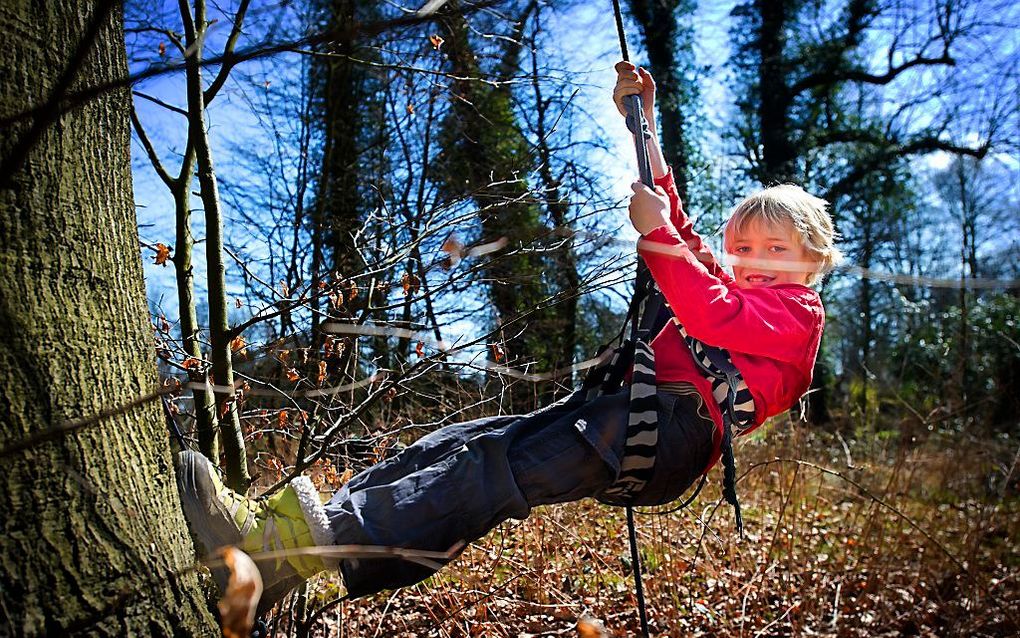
(636, 124)
(635, 563)
(619, 30)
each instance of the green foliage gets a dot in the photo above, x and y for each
(963, 364)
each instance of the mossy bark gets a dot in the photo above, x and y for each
(93, 540)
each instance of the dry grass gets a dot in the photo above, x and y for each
(878, 537)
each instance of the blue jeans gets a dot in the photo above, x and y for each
(459, 482)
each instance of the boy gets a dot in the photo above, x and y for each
(455, 484)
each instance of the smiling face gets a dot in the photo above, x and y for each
(765, 254)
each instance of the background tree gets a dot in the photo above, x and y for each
(487, 157)
(94, 540)
(811, 100)
(668, 38)
(216, 418)
(349, 122)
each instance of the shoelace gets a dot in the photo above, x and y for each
(236, 501)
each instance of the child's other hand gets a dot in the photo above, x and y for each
(649, 208)
(633, 81)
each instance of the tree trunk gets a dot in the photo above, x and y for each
(206, 423)
(568, 279)
(231, 437)
(343, 109)
(486, 156)
(93, 538)
(778, 152)
(670, 55)
(866, 295)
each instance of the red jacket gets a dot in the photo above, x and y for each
(772, 334)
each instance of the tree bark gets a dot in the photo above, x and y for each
(93, 538)
(778, 153)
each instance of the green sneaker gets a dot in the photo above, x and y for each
(289, 519)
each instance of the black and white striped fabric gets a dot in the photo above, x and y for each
(736, 403)
(716, 366)
(642, 429)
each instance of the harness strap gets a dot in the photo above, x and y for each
(736, 403)
(638, 461)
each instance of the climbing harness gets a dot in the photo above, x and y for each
(646, 316)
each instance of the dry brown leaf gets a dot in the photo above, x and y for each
(346, 475)
(238, 344)
(452, 247)
(410, 284)
(436, 40)
(292, 374)
(162, 254)
(191, 363)
(498, 353)
(244, 588)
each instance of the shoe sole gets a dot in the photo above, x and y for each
(208, 518)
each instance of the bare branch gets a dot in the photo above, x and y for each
(174, 37)
(228, 51)
(917, 146)
(74, 425)
(258, 51)
(150, 151)
(829, 77)
(156, 100)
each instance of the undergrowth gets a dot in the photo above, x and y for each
(869, 536)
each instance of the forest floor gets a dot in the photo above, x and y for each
(879, 535)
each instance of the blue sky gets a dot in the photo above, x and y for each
(231, 122)
(585, 43)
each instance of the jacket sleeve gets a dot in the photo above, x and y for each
(777, 322)
(685, 227)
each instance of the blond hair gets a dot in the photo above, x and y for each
(807, 214)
